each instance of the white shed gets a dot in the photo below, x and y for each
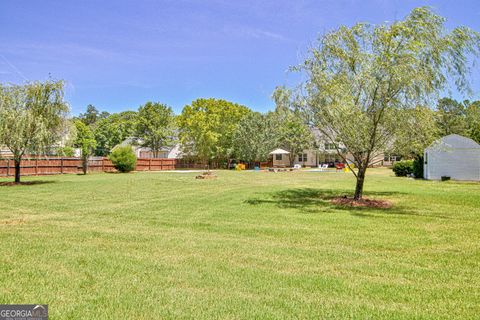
(453, 156)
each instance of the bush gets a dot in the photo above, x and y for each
(66, 152)
(418, 167)
(403, 168)
(123, 158)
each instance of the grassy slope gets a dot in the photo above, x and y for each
(249, 244)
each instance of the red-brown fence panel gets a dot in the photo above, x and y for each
(58, 165)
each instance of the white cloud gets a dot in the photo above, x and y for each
(255, 33)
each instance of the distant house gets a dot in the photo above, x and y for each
(324, 152)
(452, 156)
(5, 152)
(173, 152)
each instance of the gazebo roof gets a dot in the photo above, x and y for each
(279, 151)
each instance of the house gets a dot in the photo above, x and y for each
(323, 152)
(5, 152)
(452, 156)
(173, 152)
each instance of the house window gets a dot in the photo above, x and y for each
(391, 158)
(330, 146)
(302, 157)
(278, 157)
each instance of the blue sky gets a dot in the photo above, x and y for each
(119, 54)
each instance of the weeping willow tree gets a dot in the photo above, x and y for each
(32, 118)
(363, 80)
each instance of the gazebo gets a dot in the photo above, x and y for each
(280, 158)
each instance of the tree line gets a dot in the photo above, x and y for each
(208, 130)
(34, 120)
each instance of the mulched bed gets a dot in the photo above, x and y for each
(363, 203)
(22, 183)
(206, 175)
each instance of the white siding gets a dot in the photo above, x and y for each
(453, 156)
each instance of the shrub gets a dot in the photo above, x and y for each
(403, 168)
(66, 152)
(123, 158)
(418, 167)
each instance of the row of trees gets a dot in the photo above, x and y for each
(153, 126)
(458, 117)
(207, 129)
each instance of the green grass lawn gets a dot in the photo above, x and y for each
(158, 245)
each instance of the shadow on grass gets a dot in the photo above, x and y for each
(319, 200)
(25, 183)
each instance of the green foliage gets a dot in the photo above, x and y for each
(32, 118)
(92, 115)
(256, 136)
(113, 130)
(453, 117)
(403, 168)
(66, 151)
(85, 140)
(155, 126)
(418, 167)
(123, 158)
(450, 117)
(293, 134)
(360, 79)
(420, 121)
(473, 120)
(207, 127)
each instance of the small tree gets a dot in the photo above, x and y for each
(155, 126)
(85, 140)
(123, 158)
(32, 118)
(360, 79)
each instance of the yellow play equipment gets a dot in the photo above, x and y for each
(240, 166)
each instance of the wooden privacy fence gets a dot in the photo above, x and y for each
(59, 165)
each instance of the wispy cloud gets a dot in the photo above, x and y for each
(254, 33)
(14, 68)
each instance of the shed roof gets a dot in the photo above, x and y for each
(454, 141)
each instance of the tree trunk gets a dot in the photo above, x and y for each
(360, 180)
(17, 170)
(85, 165)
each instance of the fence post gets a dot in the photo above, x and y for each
(61, 165)
(36, 165)
(8, 167)
(150, 164)
(103, 166)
